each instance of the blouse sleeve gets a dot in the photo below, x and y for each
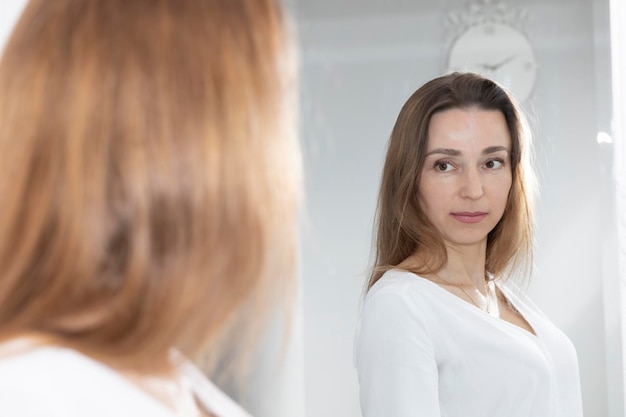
(395, 359)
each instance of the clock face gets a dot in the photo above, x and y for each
(499, 52)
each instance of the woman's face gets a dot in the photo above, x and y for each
(466, 176)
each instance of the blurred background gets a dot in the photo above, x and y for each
(360, 60)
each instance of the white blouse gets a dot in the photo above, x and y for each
(421, 351)
(53, 381)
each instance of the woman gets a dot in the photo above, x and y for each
(149, 187)
(442, 332)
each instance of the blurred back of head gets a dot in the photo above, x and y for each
(149, 172)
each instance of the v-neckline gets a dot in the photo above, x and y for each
(471, 307)
(506, 293)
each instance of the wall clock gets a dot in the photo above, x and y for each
(498, 51)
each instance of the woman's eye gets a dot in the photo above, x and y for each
(443, 166)
(494, 164)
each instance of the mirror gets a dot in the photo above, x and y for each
(360, 62)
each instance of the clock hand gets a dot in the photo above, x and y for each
(506, 61)
(488, 67)
(495, 67)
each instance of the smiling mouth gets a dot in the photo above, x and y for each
(469, 217)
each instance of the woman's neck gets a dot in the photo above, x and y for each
(466, 265)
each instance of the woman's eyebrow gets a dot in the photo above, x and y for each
(456, 152)
(445, 151)
(493, 149)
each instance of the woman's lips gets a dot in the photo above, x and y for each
(469, 217)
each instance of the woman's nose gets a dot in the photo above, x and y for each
(472, 185)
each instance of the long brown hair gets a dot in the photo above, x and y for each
(150, 172)
(402, 228)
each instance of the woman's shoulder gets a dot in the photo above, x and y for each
(401, 291)
(43, 379)
(56, 381)
(21, 359)
(400, 303)
(399, 281)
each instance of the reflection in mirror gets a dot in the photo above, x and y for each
(443, 318)
(360, 62)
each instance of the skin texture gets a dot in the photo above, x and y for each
(467, 176)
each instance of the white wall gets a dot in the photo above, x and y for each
(361, 60)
